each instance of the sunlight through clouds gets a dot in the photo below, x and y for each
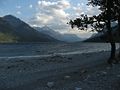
(53, 13)
(18, 12)
(30, 6)
(56, 11)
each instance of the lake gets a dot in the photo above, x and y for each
(31, 49)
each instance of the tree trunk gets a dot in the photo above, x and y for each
(113, 50)
(119, 34)
(110, 36)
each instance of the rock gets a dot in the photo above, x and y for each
(8, 67)
(56, 56)
(108, 68)
(103, 72)
(70, 58)
(67, 77)
(78, 88)
(118, 76)
(50, 84)
(88, 76)
(83, 71)
(76, 72)
(37, 51)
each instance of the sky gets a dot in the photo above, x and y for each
(52, 13)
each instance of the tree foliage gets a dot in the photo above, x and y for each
(110, 12)
(114, 6)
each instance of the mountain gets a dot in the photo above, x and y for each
(62, 37)
(6, 32)
(23, 31)
(102, 37)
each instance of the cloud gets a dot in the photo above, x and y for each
(51, 13)
(41, 19)
(18, 12)
(18, 7)
(89, 10)
(78, 10)
(30, 6)
(92, 10)
(56, 14)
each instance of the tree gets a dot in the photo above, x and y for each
(115, 11)
(99, 22)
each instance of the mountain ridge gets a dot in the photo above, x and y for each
(23, 31)
(102, 37)
(55, 34)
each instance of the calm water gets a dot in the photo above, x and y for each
(31, 49)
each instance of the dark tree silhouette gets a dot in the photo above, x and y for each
(115, 12)
(100, 22)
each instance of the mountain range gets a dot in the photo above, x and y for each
(55, 34)
(12, 29)
(25, 32)
(103, 37)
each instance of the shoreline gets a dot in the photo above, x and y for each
(18, 72)
(50, 55)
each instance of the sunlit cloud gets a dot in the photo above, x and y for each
(30, 6)
(18, 7)
(89, 10)
(52, 14)
(18, 12)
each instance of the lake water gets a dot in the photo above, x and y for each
(32, 49)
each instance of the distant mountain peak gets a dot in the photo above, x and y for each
(23, 31)
(14, 21)
(10, 16)
(46, 28)
(55, 34)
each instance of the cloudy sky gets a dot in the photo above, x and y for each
(53, 13)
